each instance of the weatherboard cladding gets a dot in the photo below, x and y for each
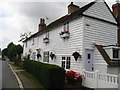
(101, 11)
(101, 32)
(74, 42)
(63, 19)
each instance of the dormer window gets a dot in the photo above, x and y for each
(115, 54)
(66, 26)
(33, 41)
(26, 44)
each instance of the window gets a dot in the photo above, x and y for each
(33, 55)
(33, 41)
(46, 56)
(66, 62)
(66, 26)
(26, 44)
(89, 56)
(115, 53)
(63, 64)
(47, 34)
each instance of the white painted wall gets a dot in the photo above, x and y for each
(60, 46)
(100, 33)
(101, 11)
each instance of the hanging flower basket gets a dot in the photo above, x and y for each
(45, 40)
(52, 55)
(76, 55)
(64, 34)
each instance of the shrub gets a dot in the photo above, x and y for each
(51, 76)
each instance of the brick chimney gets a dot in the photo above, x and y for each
(116, 12)
(42, 25)
(72, 8)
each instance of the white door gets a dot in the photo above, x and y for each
(89, 60)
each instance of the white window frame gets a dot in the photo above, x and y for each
(34, 55)
(46, 56)
(66, 26)
(66, 62)
(33, 41)
(26, 44)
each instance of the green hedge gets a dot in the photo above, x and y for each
(51, 76)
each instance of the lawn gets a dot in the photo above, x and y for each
(33, 79)
(29, 76)
(14, 65)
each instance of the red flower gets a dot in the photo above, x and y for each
(66, 31)
(72, 76)
(45, 38)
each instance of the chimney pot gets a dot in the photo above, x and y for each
(42, 25)
(40, 20)
(43, 21)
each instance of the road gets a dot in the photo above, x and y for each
(8, 78)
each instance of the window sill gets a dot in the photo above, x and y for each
(115, 59)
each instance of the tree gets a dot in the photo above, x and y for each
(13, 52)
(4, 52)
(19, 49)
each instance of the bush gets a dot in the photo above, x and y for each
(51, 76)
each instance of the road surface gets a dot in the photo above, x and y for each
(8, 78)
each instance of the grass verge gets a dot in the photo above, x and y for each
(13, 65)
(33, 79)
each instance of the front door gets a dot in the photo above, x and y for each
(89, 60)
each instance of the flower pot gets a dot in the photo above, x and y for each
(62, 36)
(45, 41)
(66, 35)
(78, 84)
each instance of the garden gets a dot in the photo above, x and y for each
(52, 76)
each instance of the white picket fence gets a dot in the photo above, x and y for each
(100, 80)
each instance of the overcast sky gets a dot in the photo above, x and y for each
(19, 16)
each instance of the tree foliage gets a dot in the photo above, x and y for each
(5, 52)
(13, 52)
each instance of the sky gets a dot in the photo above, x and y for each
(23, 16)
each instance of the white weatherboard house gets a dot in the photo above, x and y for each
(85, 38)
